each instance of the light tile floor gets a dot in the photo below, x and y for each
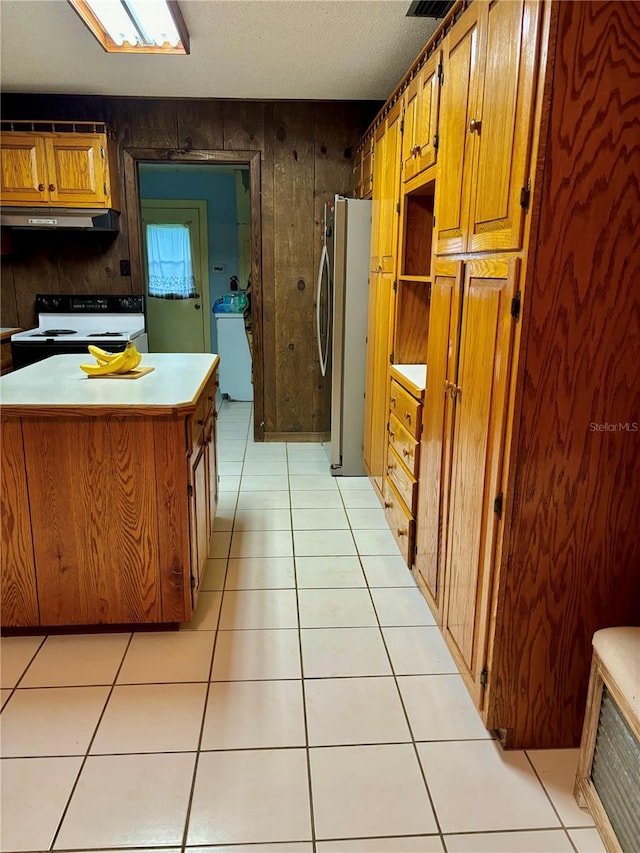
(311, 706)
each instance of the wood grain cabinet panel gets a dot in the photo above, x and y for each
(24, 169)
(457, 107)
(420, 129)
(95, 530)
(381, 309)
(480, 401)
(18, 589)
(504, 117)
(437, 428)
(379, 342)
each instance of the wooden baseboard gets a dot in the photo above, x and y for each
(298, 436)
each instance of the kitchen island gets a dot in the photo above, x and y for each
(108, 491)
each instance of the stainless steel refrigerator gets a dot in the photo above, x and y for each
(341, 318)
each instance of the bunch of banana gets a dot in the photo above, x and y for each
(107, 362)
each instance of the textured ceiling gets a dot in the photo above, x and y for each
(280, 49)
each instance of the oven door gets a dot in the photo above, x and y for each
(24, 353)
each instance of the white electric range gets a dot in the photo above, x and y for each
(68, 323)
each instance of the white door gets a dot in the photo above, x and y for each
(176, 276)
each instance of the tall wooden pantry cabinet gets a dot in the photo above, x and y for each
(526, 317)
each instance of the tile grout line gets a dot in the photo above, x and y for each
(196, 765)
(307, 750)
(89, 745)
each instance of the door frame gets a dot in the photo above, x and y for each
(131, 158)
(201, 207)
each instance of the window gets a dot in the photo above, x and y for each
(169, 263)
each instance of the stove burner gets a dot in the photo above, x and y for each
(55, 332)
(105, 335)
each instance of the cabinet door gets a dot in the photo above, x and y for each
(455, 151)
(390, 190)
(23, 169)
(199, 517)
(410, 121)
(376, 199)
(480, 394)
(75, 163)
(426, 126)
(94, 518)
(436, 441)
(504, 115)
(19, 595)
(377, 383)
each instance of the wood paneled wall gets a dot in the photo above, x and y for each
(306, 156)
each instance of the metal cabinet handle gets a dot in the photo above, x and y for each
(455, 391)
(52, 187)
(408, 416)
(388, 505)
(406, 452)
(402, 532)
(40, 188)
(415, 150)
(474, 125)
(197, 307)
(393, 401)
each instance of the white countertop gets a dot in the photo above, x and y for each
(415, 374)
(58, 382)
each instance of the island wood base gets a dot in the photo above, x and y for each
(107, 519)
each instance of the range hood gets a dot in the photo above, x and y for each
(41, 218)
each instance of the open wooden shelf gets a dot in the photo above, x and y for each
(418, 279)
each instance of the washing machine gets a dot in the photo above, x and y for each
(235, 359)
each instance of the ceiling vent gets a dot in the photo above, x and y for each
(429, 8)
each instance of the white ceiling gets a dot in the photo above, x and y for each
(279, 49)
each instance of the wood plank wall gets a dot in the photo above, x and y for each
(306, 156)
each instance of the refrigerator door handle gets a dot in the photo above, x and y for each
(323, 352)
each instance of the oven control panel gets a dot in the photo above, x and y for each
(48, 303)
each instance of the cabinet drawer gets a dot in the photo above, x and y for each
(405, 483)
(404, 444)
(406, 408)
(400, 522)
(199, 424)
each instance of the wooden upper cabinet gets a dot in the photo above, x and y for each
(504, 116)
(24, 169)
(76, 171)
(480, 393)
(489, 68)
(59, 170)
(457, 107)
(420, 136)
(390, 189)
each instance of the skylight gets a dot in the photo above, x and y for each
(135, 26)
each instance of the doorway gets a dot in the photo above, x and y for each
(175, 249)
(200, 160)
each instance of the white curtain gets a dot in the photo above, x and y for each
(169, 262)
